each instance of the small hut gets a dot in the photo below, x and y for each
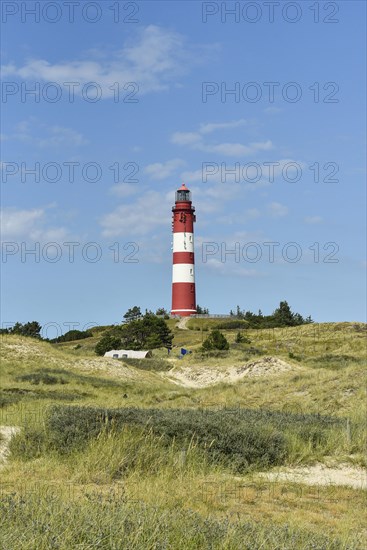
(127, 354)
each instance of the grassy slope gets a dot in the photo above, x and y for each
(329, 379)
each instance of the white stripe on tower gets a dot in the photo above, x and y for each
(183, 242)
(183, 273)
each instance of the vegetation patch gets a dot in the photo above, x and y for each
(9, 396)
(72, 335)
(334, 362)
(102, 521)
(64, 376)
(241, 440)
(8, 399)
(41, 377)
(233, 324)
(148, 332)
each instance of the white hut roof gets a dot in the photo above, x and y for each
(127, 352)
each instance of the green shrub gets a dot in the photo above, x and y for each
(6, 399)
(251, 351)
(236, 444)
(107, 343)
(241, 339)
(212, 353)
(232, 325)
(215, 341)
(334, 362)
(43, 377)
(14, 395)
(28, 444)
(72, 335)
(239, 439)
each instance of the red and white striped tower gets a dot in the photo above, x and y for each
(183, 273)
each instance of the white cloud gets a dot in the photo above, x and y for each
(148, 213)
(272, 110)
(212, 126)
(153, 59)
(277, 210)
(48, 136)
(60, 136)
(237, 149)
(15, 223)
(197, 175)
(195, 140)
(313, 219)
(29, 225)
(124, 190)
(163, 170)
(186, 138)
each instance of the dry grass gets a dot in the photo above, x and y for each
(326, 376)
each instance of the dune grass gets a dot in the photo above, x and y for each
(109, 524)
(144, 486)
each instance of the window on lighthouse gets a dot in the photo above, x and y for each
(183, 195)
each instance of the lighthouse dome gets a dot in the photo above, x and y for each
(183, 194)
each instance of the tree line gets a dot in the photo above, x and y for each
(282, 316)
(150, 331)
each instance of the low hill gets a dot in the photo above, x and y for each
(252, 438)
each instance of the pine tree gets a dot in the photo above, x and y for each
(132, 314)
(215, 340)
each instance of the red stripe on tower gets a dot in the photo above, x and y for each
(183, 272)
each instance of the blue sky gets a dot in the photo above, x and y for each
(108, 156)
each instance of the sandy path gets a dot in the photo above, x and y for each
(7, 432)
(319, 474)
(182, 323)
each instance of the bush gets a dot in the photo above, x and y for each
(6, 399)
(31, 329)
(251, 351)
(43, 377)
(232, 325)
(106, 343)
(241, 440)
(28, 444)
(239, 446)
(72, 335)
(149, 332)
(212, 353)
(334, 362)
(216, 341)
(241, 339)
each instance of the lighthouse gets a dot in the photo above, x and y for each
(183, 271)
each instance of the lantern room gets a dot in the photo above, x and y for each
(183, 194)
